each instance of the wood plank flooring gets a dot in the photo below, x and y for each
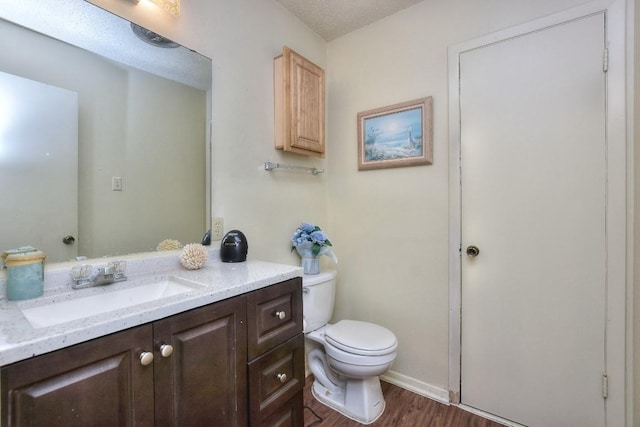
(404, 409)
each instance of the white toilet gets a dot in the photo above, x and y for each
(347, 357)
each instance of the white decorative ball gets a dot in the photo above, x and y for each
(193, 256)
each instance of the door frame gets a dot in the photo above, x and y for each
(619, 216)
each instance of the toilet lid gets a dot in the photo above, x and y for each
(362, 338)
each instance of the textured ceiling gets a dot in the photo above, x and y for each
(334, 18)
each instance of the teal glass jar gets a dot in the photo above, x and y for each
(25, 273)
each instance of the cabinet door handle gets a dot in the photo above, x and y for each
(146, 358)
(166, 350)
(282, 378)
(280, 315)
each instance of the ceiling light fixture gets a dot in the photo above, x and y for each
(152, 38)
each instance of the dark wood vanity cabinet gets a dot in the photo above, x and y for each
(205, 371)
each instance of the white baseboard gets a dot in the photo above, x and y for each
(424, 389)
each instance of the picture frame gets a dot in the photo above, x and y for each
(396, 135)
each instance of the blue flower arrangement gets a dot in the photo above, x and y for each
(310, 242)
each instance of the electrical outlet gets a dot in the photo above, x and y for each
(217, 228)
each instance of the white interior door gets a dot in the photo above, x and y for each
(533, 179)
(38, 166)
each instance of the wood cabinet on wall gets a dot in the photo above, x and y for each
(299, 91)
(196, 377)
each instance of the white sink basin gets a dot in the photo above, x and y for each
(104, 302)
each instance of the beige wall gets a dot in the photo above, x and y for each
(267, 206)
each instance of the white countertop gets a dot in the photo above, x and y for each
(19, 340)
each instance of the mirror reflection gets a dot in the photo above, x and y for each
(97, 156)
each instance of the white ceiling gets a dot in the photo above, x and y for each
(334, 18)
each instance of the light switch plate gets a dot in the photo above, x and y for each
(116, 183)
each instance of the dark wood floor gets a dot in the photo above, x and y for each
(403, 408)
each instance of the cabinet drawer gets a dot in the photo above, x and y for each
(274, 315)
(290, 414)
(274, 378)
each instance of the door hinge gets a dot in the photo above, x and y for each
(605, 386)
(605, 60)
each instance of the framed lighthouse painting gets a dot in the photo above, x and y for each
(397, 135)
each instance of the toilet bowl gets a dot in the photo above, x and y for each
(347, 357)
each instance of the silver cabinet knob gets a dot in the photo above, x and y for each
(472, 251)
(282, 378)
(166, 350)
(146, 358)
(68, 240)
(281, 315)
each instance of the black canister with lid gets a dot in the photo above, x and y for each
(234, 247)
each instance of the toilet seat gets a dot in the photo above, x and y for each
(361, 338)
(336, 357)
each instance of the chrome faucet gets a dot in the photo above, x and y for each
(82, 276)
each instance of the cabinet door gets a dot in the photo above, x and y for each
(299, 104)
(307, 104)
(97, 383)
(203, 382)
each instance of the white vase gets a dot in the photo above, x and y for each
(310, 265)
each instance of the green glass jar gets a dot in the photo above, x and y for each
(25, 273)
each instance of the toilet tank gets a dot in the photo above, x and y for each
(318, 296)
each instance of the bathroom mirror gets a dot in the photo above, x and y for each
(140, 173)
